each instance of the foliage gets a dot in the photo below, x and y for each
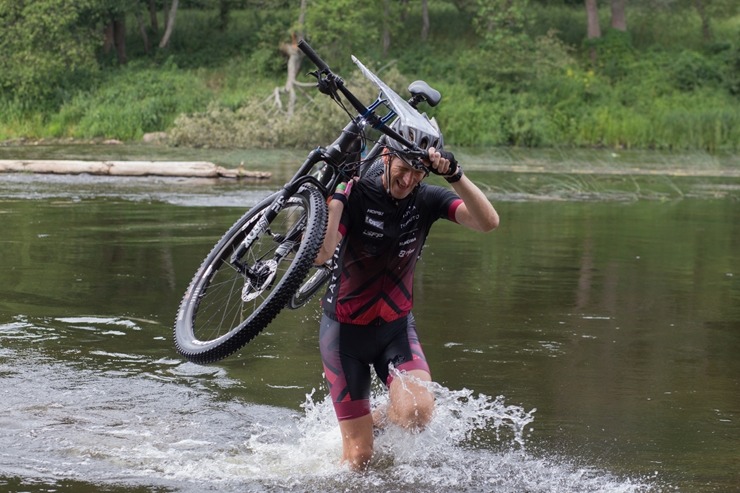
(47, 50)
(131, 102)
(615, 53)
(260, 123)
(690, 71)
(249, 32)
(501, 23)
(512, 72)
(327, 26)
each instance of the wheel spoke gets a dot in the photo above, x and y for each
(229, 299)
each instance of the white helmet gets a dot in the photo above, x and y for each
(423, 139)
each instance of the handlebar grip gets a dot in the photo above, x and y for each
(313, 56)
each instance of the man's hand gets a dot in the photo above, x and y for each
(443, 163)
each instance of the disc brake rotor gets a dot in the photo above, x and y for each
(261, 279)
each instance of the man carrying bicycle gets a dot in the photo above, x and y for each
(376, 229)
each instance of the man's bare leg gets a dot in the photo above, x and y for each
(411, 402)
(357, 441)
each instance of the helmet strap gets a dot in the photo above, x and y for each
(387, 171)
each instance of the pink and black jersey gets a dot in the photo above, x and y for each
(372, 282)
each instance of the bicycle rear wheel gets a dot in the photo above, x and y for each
(236, 292)
(308, 289)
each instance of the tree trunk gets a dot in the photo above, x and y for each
(223, 14)
(386, 28)
(153, 16)
(706, 28)
(108, 39)
(404, 9)
(424, 20)
(619, 21)
(593, 28)
(294, 65)
(170, 25)
(142, 31)
(295, 56)
(114, 38)
(119, 36)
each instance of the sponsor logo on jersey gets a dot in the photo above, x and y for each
(413, 218)
(372, 234)
(406, 253)
(376, 223)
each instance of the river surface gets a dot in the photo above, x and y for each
(590, 344)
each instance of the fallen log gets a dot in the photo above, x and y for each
(195, 169)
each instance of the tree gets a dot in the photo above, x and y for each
(115, 36)
(386, 29)
(47, 48)
(172, 13)
(593, 29)
(142, 31)
(338, 27)
(507, 57)
(709, 9)
(295, 56)
(153, 21)
(424, 20)
(502, 22)
(619, 21)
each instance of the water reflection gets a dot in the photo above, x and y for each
(617, 320)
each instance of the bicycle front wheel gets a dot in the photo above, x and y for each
(238, 291)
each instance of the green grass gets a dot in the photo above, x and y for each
(660, 87)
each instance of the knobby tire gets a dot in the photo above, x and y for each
(223, 308)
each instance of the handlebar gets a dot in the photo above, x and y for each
(335, 81)
(329, 83)
(326, 76)
(313, 56)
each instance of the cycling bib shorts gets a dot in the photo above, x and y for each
(348, 351)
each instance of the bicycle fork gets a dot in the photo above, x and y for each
(261, 274)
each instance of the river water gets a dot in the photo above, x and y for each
(590, 344)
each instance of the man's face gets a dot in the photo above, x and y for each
(403, 177)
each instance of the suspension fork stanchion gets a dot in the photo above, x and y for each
(258, 229)
(277, 205)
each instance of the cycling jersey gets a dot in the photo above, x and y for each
(372, 281)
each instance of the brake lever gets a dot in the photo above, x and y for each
(326, 85)
(417, 154)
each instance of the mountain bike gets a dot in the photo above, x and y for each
(261, 265)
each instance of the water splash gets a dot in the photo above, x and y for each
(64, 420)
(474, 443)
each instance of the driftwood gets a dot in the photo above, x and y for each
(199, 169)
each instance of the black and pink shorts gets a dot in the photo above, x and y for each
(348, 350)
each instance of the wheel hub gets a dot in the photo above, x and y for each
(260, 278)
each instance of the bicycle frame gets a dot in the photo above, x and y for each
(347, 145)
(258, 266)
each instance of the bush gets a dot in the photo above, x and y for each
(131, 102)
(731, 64)
(691, 70)
(467, 119)
(262, 123)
